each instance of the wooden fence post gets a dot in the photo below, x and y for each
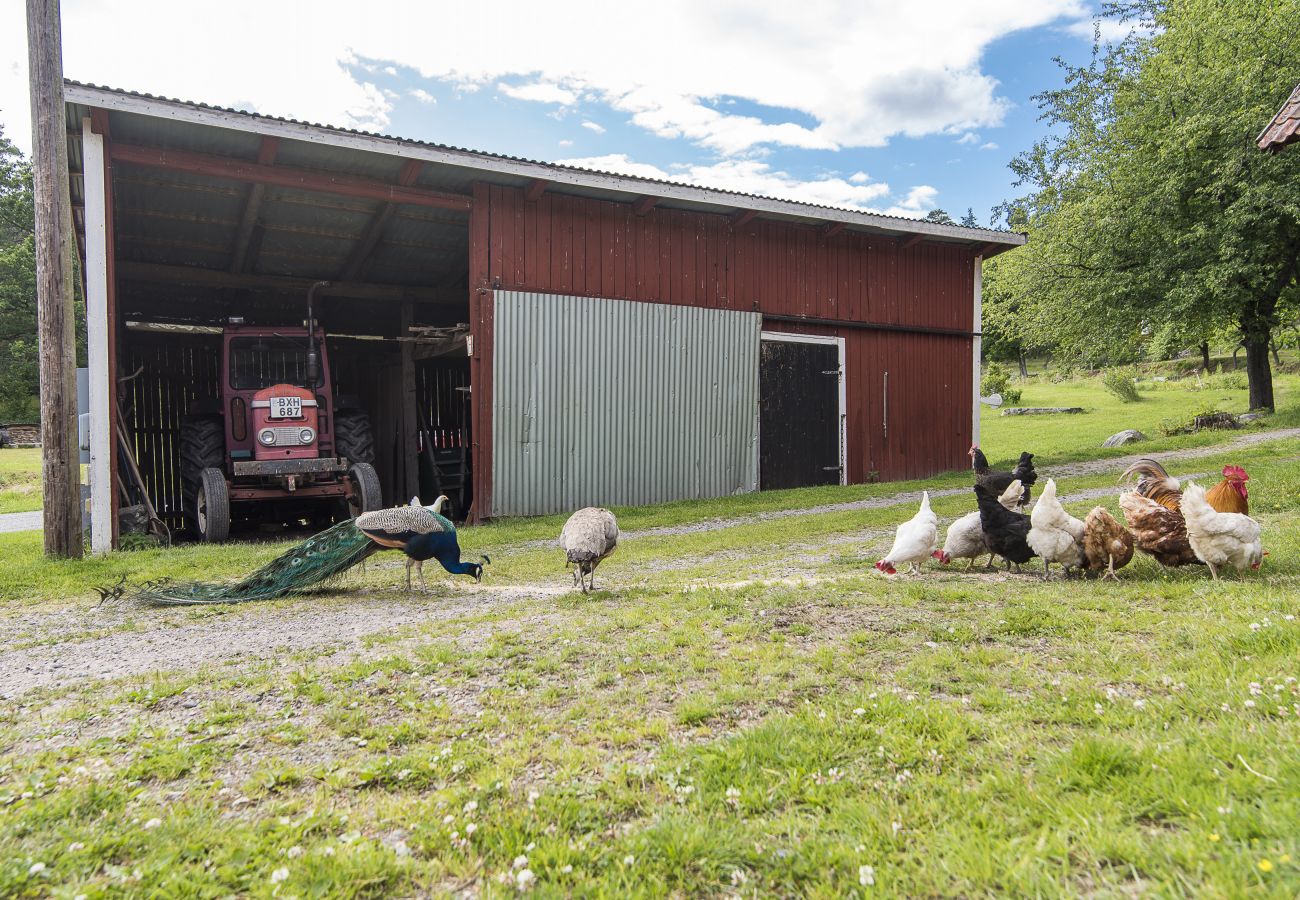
(60, 454)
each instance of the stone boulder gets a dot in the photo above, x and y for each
(1250, 417)
(1120, 438)
(1040, 410)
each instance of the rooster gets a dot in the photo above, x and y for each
(588, 537)
(1154, 483)
(1054, 534)
(1006, 531)
(965, 538)
(914, 540)
(998, 481)
(1106, 543)
(1220, 538)
(1154, 509)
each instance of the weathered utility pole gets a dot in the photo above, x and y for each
(60, 454)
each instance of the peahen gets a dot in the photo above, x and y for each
(590, 535)
(419, 531)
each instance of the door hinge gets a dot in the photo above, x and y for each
(831, 468)
(830, 371)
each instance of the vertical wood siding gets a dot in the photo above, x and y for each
(594, 248)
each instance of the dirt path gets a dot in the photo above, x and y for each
(160, 640)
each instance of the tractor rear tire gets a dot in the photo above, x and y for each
(366, 494)
(212, 507)
(203, 446)
(353, 439)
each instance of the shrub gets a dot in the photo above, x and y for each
(997, 380)
(1119, 383)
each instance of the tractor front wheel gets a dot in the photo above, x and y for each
(212, 507)
(366, 495)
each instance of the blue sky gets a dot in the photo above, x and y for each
(865, 104)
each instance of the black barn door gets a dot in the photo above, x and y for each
(799, 415)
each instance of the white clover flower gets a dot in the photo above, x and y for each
(448, 819)
(520, 862)
(629, 860)
(76, 847)
(567, 870)
(525, 879)
(36, 869)
(152, 824)
(293, 852)
(279, 875)
(470, 829)
(470, 806)
(866, 876)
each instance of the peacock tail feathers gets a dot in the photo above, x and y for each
(315, 561)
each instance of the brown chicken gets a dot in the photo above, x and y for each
(1107, 545)
(1154, 509)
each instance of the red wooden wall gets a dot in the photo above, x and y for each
(596, 248)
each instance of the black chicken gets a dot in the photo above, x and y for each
(1000, 481)
(1006, 532)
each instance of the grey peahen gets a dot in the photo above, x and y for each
(590, 535)
(421, 532)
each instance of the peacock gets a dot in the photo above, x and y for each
(590, 535)
(421, 532)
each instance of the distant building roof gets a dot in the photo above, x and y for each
(1285, 127)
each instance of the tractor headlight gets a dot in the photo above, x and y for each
(306, 436)
(266, 436)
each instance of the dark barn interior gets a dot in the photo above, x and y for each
(196, 246)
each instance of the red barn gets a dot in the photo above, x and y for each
(536, 336)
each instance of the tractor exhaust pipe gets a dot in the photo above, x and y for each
(313, 357)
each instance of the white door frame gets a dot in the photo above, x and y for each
(791, 338)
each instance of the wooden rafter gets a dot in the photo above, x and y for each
(643, 205)
(239, 257)
(356, 262)
(194, 276)
(909, 242)
(743, 217)
(215, 166)
(833, 229)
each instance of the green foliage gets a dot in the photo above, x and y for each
(1121, 384)
(939, 216)
(1151, 211)
(997, 380)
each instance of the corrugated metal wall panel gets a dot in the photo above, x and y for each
(609, 402)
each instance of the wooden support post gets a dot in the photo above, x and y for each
(410, 418)
(99, 125)
(101, 391)
(60, 457)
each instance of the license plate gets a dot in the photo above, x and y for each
(286, 407)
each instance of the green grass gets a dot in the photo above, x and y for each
(20, 480)
(1063, 437)
(747, 709)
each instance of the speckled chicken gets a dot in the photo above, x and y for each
(1107, 545)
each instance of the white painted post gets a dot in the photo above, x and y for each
(976, 348)
(102, 400)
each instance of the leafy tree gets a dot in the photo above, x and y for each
(939, 216)
(19, 352)
(1151, 210)
(19, 378)
(969, 219)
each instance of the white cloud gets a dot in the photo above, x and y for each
(838, 74)
(593, 126)
(422, 95)
(539, 92)
(969, 137)
(918, 202)
(989, 146)
(566, 143)
(390, 70)
(750, 176)
(859, 178)
(1109, 30)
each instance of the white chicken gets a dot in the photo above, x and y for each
(965, 537)
(1054, 534)
(1219, 538)
(914, 540)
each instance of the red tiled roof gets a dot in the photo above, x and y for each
(1285, 127)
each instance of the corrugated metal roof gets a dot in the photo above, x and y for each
(1285, 127)
(617, 402)
(333, 148)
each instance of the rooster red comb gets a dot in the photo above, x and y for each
(1235, 473)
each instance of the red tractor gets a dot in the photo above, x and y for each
(277, 435)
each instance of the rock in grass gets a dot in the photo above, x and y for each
(1251, 417)
(1040, 410)
(1127, 436)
